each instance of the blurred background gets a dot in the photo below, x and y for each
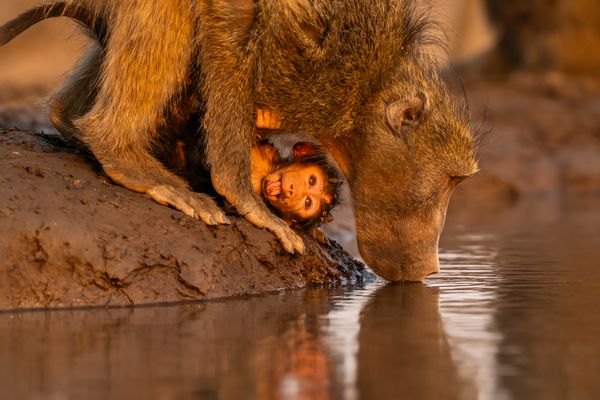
(530, 70)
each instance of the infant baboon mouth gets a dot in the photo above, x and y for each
(272, 188)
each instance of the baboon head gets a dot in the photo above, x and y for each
(357, 74)
(415, 150)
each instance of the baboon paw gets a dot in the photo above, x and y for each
(290, 241)
(196, 205)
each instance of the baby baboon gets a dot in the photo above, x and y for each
(294, 174)
(302, 190)
(302, 187)
(354, 73)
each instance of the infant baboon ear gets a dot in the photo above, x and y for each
(303, 149)
(407, 112)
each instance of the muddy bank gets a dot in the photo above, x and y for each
(69, 237)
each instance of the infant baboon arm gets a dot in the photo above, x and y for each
(227, 59)
(119, 126)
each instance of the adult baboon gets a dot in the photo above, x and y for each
(352, 72)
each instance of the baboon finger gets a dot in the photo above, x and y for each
(260, 120)
(319, 236)
(273, 120)
(286, 244)
(290, 241)
(298, 244)
(267, 119)
(207, 210)
(166, 196)
(206, 218)
(222, 219)
(196, 205)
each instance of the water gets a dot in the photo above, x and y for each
(515, 313)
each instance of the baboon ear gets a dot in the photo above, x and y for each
(313, 24)
(407, 112)
(303, 149)
(312, 32)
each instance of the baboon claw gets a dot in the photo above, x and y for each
(222, 219)
(290, 241)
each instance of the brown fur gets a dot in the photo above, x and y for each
(351, 72)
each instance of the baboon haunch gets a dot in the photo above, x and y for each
(353, 73)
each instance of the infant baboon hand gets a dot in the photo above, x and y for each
(196, 205)
(267, 119)
(319, 236)
(291, 242)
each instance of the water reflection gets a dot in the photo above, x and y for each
(404, 350)
(513, 315)
(374, 342)
(230, 350)
(550, 317)
(468, 286)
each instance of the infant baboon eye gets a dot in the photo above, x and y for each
(307, 203)
(312, 180)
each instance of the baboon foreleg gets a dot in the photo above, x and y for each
(131, 84)
(227, 61)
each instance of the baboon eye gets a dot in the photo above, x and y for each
(307, 203)
(455, 180)
(312, 180)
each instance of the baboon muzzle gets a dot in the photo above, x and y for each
(399, 260)
(406, 247)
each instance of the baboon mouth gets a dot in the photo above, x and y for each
(272, 188)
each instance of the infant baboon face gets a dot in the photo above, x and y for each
(298, 191)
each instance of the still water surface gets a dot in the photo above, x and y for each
(515, 313)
